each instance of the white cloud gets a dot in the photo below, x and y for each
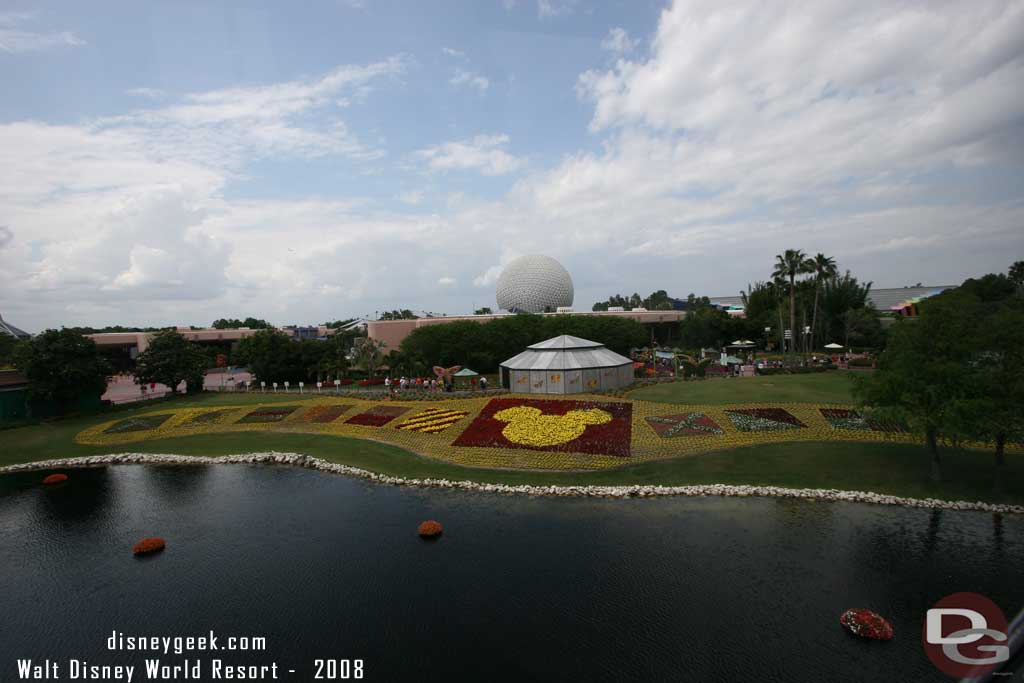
(866, 131)
(469, 79)
(547, 9)
(484, 153)
(6, 236)
(411, 197)
(15, 40)
(148, 93)
(452, 52)
(618, 42)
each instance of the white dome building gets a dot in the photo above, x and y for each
(534, 284)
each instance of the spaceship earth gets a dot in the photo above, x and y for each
(533, 284)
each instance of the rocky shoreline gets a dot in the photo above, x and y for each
(633, 491)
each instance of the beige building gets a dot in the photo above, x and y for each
(140, 340)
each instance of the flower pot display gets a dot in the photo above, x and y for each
(866, 624)
(429, 529)
(150, 544)
(55, 478)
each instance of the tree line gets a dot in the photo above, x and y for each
(955, 373)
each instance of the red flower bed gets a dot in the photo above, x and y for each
(150, 544)
(429, 529)
(55, 479)
(609, 438)
(866, 624)
(370, 382)
(377, 416)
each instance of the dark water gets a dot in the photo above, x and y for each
(517, 588)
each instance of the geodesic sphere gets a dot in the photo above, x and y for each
(534, 283)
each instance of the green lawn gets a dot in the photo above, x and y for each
(825, 387)
(898, 469)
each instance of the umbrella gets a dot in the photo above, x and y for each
(833, 346)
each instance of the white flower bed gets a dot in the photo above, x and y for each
(634, 491)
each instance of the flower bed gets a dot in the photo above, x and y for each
(684, 424)
(866, 624)
(210, 417)
(139, 423)
(556, 425)
(264, 415)
(148, 545)
(844, 418)
(377, 416)
(324, 414)
(763, 419)
(429, 529)
(432, 420)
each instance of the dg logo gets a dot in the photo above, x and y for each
(965, 635)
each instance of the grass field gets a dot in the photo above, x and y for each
(893, 468)
(825, 387)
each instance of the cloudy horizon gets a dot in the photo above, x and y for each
(174, 164)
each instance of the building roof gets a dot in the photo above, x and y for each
(466, 372)
(883, 299)
(565, 353)
(565, 341)
(7, 328)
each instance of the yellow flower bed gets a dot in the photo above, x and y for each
(525, 426)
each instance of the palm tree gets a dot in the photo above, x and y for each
(368, 353)
(824, 269)
(788, 265)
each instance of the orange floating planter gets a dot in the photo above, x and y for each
(55, 478)
(866, 624)
(430, 529)
(149, 545)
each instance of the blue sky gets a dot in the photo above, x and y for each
(176, 162)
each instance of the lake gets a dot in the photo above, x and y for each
(329, 567)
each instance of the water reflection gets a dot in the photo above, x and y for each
(79, 501)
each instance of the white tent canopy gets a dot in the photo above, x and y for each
(566, 365)
(833, 345)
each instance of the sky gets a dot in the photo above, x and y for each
(169, 163)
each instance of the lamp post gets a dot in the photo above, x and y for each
(807, 337)
(767, 338)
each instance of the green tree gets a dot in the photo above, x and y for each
(235, 323)
(404, 314)
(170, 358)
(994, 409)
(923, 376)
(368, 354)
(486, 310)
(789, 265)
(271, 356)
(824, 269)
(1016, 273)
(62, 366)
(840, 294)
(8, 343)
